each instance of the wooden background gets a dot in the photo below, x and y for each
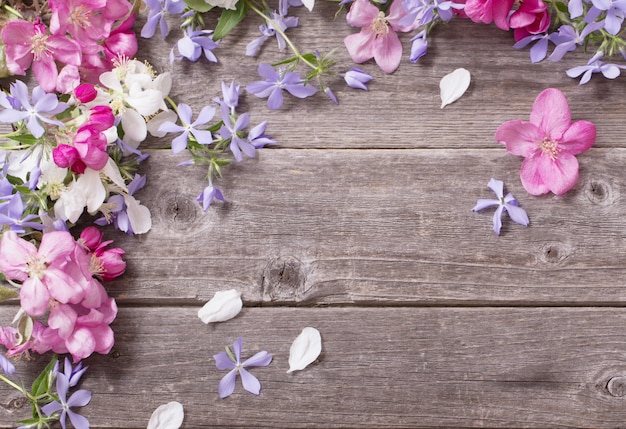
(359, 223)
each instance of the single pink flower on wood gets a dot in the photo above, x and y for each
(378, 38)
(549, 143)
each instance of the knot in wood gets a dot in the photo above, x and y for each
(17, 403)
(284, 278)
(554, 253)
(178, 211)
(617, 386)
(599, 192)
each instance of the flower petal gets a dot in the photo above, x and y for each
(227, 384)
(261, 358)
(167, 416)
(517, 214)
(579, 137)
(250, 382)
(305, 349)
(454, 85)
(497, 219)
(519, 137)
(551, 113)
(222, 307)
(388, 52)
(531, 179)
(559, 175)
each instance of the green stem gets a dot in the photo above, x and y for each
(13, 385)
(282, 33)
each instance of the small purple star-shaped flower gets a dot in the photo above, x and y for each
(185, 115)
(595, 65)
(506, 203)
(80, 398)
(275, 82)
(249, 381)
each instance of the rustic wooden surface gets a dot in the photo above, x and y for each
(359, 223)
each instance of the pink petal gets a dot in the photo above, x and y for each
(34, 297)
(80, 344)
(14, 253)
(396, 13)
(65, 50)
(531, 179)
(501, 9)
(559, 175)
(56, 246)
(579, 137)
(62, 318)
(388, 52)
(361, 45)
(46, 72)
(519, 137)
(551, 113)
(362, 13)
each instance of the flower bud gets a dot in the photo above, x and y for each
(85, 93)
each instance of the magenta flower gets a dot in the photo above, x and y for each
(30, 43)
(378, 38)
(549, 142)
(488, 11)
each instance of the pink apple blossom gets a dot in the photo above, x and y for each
(488, 11)
(549, 143)
(105, 263)
(378, 38)
(531, 17)
(30, 43)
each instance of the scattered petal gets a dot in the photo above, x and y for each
(305, 349)
(222, 307)
(453, 86)
(167, 416)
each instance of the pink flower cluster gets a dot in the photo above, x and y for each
(60, 279)
(84, 36)
(89, 144)
(527, 17)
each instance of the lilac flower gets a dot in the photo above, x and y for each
(258, 138)
(80, 398)
(185, 114)
(7, 367)
(615, 10)
(282, 22)
(275, 82)
(357, 78)
(505, 204)
(567, 38)
(230, 95)
(195, 43)
(19, 108)
(118, 214)
(156, 16)
(207, 196)
(539, 50)
(73, 374)
(284, 5)
(11, 214)
(419, 46)
(249, 381)
(575, 8)
(427, 11)
(233, 130)
(594, 65)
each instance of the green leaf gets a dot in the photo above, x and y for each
(229, 19)
(562, 7)
(7, 293)
(43, 381)
(198, 5)
(25, 138)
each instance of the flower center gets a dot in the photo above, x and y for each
(80, 16)
(549, 148)
(380, 25)
(36, 267)
(96, 266)
(39, 45)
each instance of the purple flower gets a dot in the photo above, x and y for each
(282, 22)
(80, 398)
(207, 196)
(258, 138)
(539, 50)
(505, 204)
(615, 10)
(567, 38)
(275, 82)
(118, 213)
(233, 130)
(357, 78)
(594, 65)
(19, 108)
(249, 381)
(419, 46)
(6, 365)
(195, 43)
(185, 115)
(12, 213)
(73, 374)
(156, 16)
(230, 95)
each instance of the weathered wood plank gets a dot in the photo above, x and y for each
(393, 367)
(377, 226)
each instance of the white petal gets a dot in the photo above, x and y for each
(138, 215)
(93, 189)
(305, 349)
(223, 306)
(155, 122)
(134, 125)
(453, 86)
(112, 171)
(167, 416)
(308, 4)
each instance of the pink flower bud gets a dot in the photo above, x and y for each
(85, 93)
(91, 237)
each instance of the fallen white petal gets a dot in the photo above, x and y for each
(223, 306)
(305, 349)
(167, 416)
(308, 4)
(453, 86)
